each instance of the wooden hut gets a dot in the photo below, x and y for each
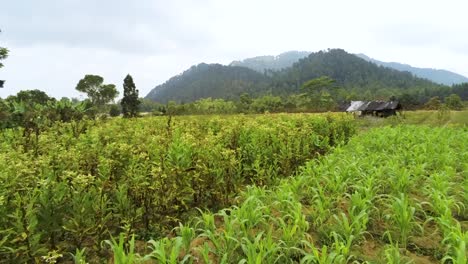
(374, 108)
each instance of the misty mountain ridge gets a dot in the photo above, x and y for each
(287, 59)
(357, 77)
(436, 75)
(270, 62)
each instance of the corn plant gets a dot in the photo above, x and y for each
(393, 256)
(187, 234)
(79, 256)
(123, 254)
(167, 251)
(229, 235)
(402, 216)
(349, 229)
(251, 213)
(293, 227)
(457, 251)
(314, 255)
(263, 249)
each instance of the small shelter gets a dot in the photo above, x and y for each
(374, 108)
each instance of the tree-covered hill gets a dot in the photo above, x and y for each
(356, 77)
(435, 75)
(262, 63)
(209, 80)
(349, 71)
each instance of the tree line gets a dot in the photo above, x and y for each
(34, 109)
(26, 108)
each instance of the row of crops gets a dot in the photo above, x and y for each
(71, 186)
(392, 195)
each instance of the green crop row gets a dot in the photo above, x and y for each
(392, 195)
(73, 185)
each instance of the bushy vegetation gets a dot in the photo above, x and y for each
(392, 195)
(76, 184)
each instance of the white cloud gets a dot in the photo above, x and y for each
(55, 43)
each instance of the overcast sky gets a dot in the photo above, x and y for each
(54, 43)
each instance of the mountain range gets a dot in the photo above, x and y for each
(438, 76)
(359, 77)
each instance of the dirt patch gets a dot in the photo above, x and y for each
(196, 247)
(421, 259)
(371, 249)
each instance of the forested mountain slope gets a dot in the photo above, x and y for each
(209, 80)
(356, 77)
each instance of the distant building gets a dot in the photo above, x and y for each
(374, 108)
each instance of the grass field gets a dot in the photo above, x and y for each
(420, 117)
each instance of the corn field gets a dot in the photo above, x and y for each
(89, 191)
(391, 195)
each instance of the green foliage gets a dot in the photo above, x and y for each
(363, 205)
(3, 54)
(123, 253)
(98, 92)
(267, 103)
(433, 104)
(130, 100)
(79, 256)
(209, 80)
(212, 106)
(31, 97)
(74, 183)
(320, 92)
(453, 102)
(114, 110)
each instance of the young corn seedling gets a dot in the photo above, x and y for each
(261, 250)
(342, 246)
(292, 230)
(322, 205)
(206, 222)
(121, 255)
(350, 229)
(393, 256)
(251, 213)
(312, 255)
(187, 234)
(229, 235)
(457, 251)
(402, 216)
(79, 256)
(167, 251)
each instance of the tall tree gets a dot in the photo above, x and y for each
(321, 91)
(98, 92)
(3, 55)
(130, 100)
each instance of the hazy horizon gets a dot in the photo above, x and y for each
(53, 44)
